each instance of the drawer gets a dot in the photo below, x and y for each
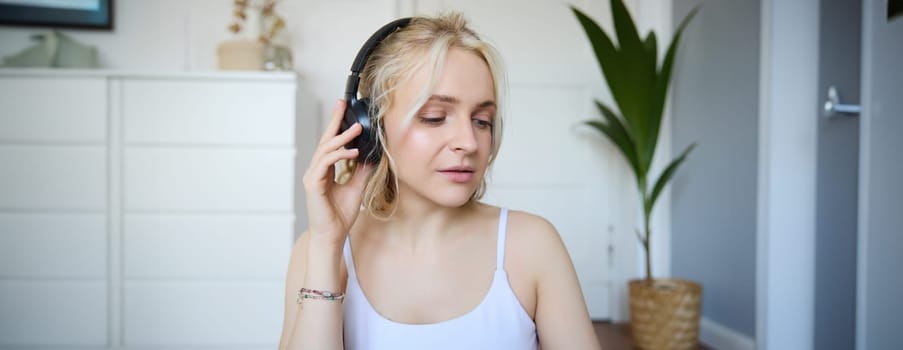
(53, 177)
(208, 314)
(53, 109)
(70, 313)
(185, 246)
(57, 245)
(209, 179)
(209, 112)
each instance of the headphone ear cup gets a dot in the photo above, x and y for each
(373, 151)
(367, 143)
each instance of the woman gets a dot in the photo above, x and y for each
(403, 255)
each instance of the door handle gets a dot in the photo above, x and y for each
(834, 108)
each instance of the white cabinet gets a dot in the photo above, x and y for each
(148, 210)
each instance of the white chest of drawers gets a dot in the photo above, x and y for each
(146, 209)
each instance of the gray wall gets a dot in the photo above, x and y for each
(715, 103)
(879, 309)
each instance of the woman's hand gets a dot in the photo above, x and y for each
(332, 208)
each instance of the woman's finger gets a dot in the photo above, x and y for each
(336, 142)
(338, 111)
(321, 168)
(342, 139)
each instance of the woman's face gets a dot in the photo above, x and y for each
(442, 153)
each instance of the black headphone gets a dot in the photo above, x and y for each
(358, 111)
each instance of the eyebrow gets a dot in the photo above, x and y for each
(454, 100)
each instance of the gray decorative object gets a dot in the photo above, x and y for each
(54, 49)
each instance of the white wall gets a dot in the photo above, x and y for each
(788, 108)
(167, 35)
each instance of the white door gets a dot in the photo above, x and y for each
(548, 164)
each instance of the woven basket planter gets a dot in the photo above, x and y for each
(664, 314)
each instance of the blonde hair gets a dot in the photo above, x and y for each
(426, 40)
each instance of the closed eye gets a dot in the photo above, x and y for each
(432, 121)
(482, 124)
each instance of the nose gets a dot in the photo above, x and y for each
(464, 139)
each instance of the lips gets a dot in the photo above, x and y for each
(458, 174)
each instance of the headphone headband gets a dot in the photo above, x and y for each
(374, 41)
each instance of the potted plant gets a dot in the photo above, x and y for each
(664, 313)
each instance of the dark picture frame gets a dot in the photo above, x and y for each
(38, 15)
(894, 9)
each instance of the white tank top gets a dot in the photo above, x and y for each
(499, 322)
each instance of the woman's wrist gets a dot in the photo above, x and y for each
(324, 256)
(323, 268)
(330, 243)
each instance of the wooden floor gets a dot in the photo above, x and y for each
(616, 336)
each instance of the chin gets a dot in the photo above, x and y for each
(455, 200)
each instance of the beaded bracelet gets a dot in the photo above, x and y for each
(314, 294)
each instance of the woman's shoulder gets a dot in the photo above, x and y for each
(520, 218)
(534, 255)
(522, 225)
(531, 239)
(531, 229)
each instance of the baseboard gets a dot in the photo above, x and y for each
(719, 337)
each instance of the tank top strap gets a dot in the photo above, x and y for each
(500, 246)
(349, 261)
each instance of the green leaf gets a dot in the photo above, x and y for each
(651, 45)
(665, 177)
(663, 80)
(628, 37)
(632, 93)
(603, 47)
(614, 129)
(628, 78)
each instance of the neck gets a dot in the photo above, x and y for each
(420, 223)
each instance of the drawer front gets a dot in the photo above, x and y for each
(53, 109)
(58, 245)
(53, 177)
(195, 313)
(209, 112)
(199, 179)
(207, 246)
(37, 312)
